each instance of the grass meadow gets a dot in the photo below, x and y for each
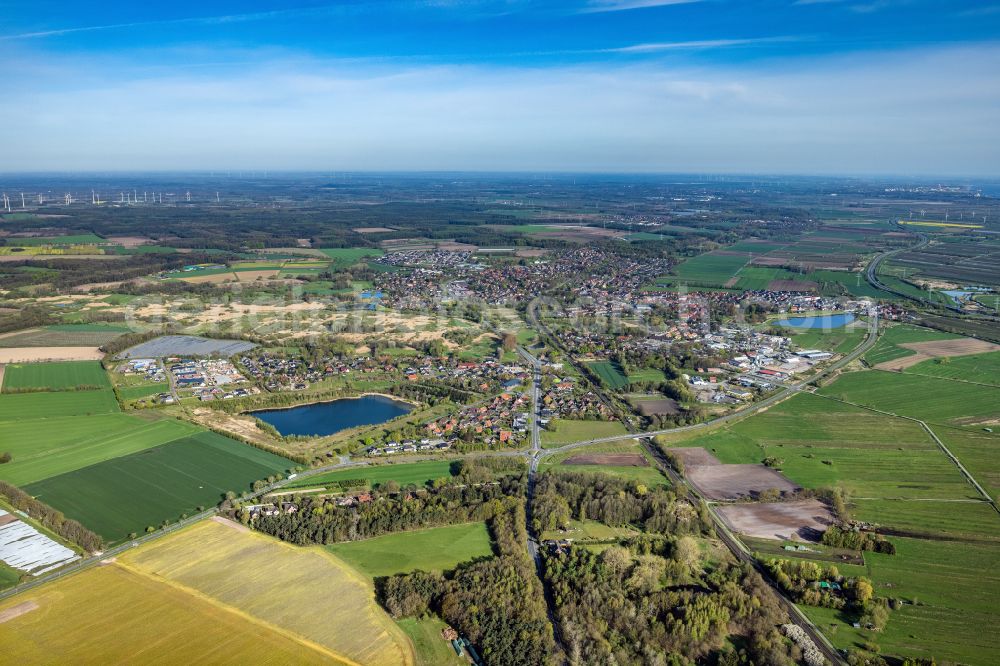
(824, 443)
(927, 398)
(887, 348)
(980, 368)
(433, 549)
(565, 431)
(419, 473)
(610, 374)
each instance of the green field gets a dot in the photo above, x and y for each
(434, 549)
(887, 348)
(610, 373)
(825, 443)
(129, 493)
(981, 368)
(419, 473)
(979, 452)
(647, 375)
(925, 398)
(127, 393)
(54, 376)
(22, 406)
(565, 431)
(838, 340)
(344, 257)
(951, 588)
(430, 648)
(64, 335)
(42, 448)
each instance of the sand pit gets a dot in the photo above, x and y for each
(730, 482)
(937, 349)
(18, 610)
(692, 456)
(613, 459)
(32, 354)
(805, 520)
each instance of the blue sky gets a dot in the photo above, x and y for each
(790, 86)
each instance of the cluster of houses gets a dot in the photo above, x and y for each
(277, 373)
(209, 379)
(410, 446)
(148, 368)
(491, 423)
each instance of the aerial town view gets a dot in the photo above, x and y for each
(607, 332)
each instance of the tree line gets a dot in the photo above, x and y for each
(51, 518)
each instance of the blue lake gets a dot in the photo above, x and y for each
(823, 321)
(326, 418)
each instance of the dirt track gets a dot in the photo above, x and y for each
(937, 349)
(804, 520)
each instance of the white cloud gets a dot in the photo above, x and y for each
(595, 6)
(926, 111)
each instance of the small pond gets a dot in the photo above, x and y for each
(327, 418)
(822, 321)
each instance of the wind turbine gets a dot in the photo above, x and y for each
(93, 198)
(22, 200)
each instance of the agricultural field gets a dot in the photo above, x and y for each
(418, 473)
(132, 492)
(260, 577)
(22, 406)
(63, 335)
(61, 376)
(341, 258)
(888, 346)
(823, 443)
(433, 549)
(979, 452)
(127, 613)
(646, 474)
(610, 374)
(42, 448)
(927, 398)
(212, 591)
(565, 431)
(979, 368)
